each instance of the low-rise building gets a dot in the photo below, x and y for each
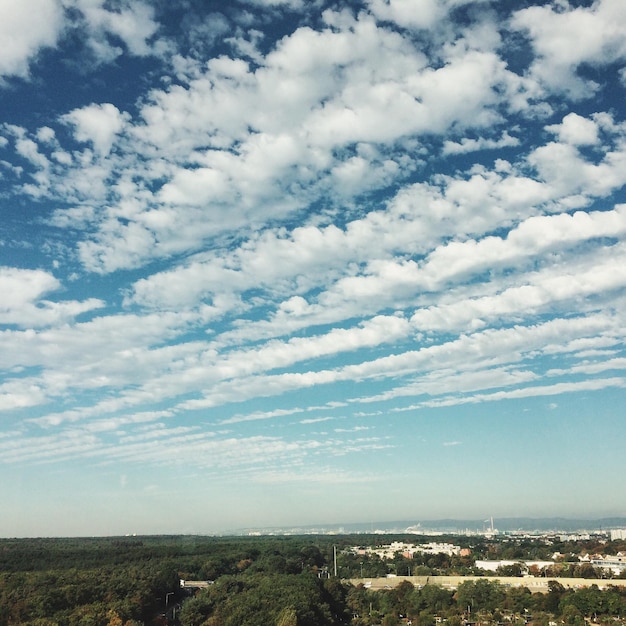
(408, 550)
(616, 564)
(492, 566)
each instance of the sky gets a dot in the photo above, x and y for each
(299, 262)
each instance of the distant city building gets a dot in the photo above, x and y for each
(618, 533)
(439, 548)
(408, 550)
(575, 536)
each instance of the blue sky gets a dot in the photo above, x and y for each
(287, 262)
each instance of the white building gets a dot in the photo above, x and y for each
(408, 550)
(617, 564)
(439, 548)
(492, 566)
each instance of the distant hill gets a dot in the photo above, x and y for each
(455, 526)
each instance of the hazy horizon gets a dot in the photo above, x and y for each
(447, 526)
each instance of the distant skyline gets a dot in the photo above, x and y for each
(296, 263)
(504, 526)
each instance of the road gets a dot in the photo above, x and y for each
(535, 585)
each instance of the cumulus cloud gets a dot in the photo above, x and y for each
(471, 145)
(29, 30)
(576, 130)
(98, 124)
(375, 87)
(23, 304)
(409, 13)
(25, 30)
(131, 23)
(565, 39)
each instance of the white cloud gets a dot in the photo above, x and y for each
(98, 124)
(291, 4)
(28, 149)
(115, 423)
(132, 23)
(549, 289)
(25, 30)
(279, 259)
(483, 143)
(22, 287)
(117, 246)
(459, 381)
(592, 367)
(567, 172)
(490, 346)
(28, 29)
(18, 394)
(530, 392)
(576, 130)
(465, 354)
(409, 13)
(260, 416)
(457, 260)
(375, 87)
(325, 476)
(22, 303)
(565, 39)
(309, 256)
(103, 354)
(275, 355)
(316, 420)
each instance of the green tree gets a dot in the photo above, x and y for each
(358, 601)
(480, 595)
(390, 619)
(515, 569)
(572, 616)
(518, 599)
(437, 598)
(551, 601)
(287, 617)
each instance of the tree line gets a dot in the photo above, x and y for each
(261, 581)
(305, 600)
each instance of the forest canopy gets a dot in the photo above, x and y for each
(267, 581)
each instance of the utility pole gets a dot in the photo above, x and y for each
(335, 559)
